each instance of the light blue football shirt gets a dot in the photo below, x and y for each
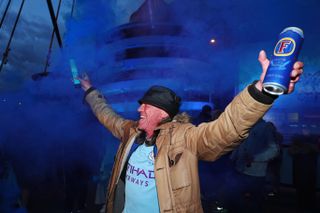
(140, 189)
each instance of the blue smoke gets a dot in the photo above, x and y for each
(45, 126)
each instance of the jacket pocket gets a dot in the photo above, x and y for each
(179, 172)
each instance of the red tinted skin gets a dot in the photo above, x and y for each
(150, 117)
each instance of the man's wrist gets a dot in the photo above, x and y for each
(88, 91)
(260, 95)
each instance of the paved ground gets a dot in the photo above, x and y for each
(283, 202)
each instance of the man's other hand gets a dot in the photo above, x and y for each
(85, 82)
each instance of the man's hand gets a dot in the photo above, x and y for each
(85, 82)
(295, 73)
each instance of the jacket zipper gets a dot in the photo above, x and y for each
(168, 176)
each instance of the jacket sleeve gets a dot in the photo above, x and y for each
(105, 114)
(210, 140)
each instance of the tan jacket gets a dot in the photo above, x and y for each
(180, 146)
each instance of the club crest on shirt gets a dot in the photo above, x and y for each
(151, 157)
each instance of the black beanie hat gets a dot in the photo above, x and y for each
(163, 98)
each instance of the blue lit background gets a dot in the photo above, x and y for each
(43, 121)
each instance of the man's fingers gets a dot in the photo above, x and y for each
(85, 76)
(298, 65)
(296, 73)
(262, 56)
(291, 88)
(264, 61)
(295, 79)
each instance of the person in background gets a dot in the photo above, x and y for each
(204, 116)
(10, 193)
(274, 167)
(214, 176)
(102, 182)
(251, 160)
(304, 151)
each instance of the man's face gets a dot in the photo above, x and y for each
(150, 117)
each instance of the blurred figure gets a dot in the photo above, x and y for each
(204, 116)
(77, 180)
(10, 194)
(214, 176)
(250, 160)
(274, 166)
(77, 173)
(304, 151)
(102, 182)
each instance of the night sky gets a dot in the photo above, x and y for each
(245, 22)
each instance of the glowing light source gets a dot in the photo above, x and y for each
(212, 41)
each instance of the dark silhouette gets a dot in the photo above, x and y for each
(304, 152)
(10, 193)
(204, 116)
(251, 159)
(274, 166)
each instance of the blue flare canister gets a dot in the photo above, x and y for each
(285, 54)
(75, 74)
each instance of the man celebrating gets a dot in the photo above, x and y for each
(156, 166)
